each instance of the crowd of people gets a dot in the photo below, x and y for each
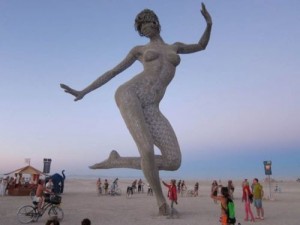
(251, 195)
(106, 188)
(18, 182)
(136, 186)
(15, 181)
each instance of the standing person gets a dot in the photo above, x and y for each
(3, 186)
(179, 186)
(106, 186)
(214, 189)
(48, 190)
(150, 191)
(133, 185)
(49, 186)
(258, 194)
(183, 188)
(99, 187)
(138, 101)
(223, 198)
(247, 198)
(196, 189)
(39, 194)
(140, 183)
(230, 188)
(172, 193)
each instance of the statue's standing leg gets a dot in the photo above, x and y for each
(141, 122)
(165, 139)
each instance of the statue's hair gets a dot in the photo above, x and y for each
(146, 15)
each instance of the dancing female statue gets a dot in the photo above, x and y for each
(138, 100)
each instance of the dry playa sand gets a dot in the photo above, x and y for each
(80, 200)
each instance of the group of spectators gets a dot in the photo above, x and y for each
(137, 185)
(106, 186)
(252, 194)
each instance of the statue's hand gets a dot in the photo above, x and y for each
(206, 15)
(78, 94)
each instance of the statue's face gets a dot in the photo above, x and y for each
(150, 28)
(147, 23)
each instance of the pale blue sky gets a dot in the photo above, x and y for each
(232, 106)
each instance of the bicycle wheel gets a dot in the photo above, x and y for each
(56, 211)
(118, 191)
(129, 195)
(26, 214)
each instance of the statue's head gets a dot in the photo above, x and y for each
(146, 16)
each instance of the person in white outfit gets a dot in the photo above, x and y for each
(3, 186)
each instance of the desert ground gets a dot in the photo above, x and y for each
(80, 200)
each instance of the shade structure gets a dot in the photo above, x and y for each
(26, 170)
(16, 187)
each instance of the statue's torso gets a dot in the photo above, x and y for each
(159, 63)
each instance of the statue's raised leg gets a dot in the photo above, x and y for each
(116, 161)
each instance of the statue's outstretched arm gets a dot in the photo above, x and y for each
(190, 48)
(104, 78)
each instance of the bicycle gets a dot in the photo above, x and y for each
(30, 213)
(129, 192)
(114, 189)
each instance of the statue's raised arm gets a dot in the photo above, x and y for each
(206, 15)
(104, 78)
(201, 45)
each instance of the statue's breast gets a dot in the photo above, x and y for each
(150, 55)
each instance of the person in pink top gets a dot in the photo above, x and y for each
(247, 199)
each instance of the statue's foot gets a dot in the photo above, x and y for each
(111, 162)
(164, 210)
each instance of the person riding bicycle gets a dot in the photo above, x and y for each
(114, 185)
(39, 195)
